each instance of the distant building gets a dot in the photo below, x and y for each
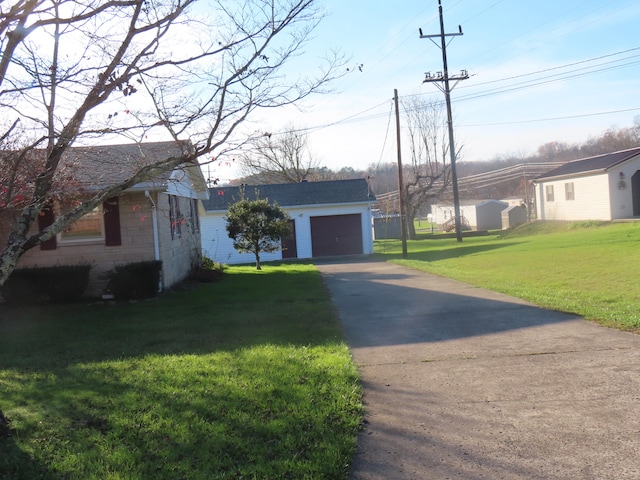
(604, 187)
(478, 215)
(328, 218)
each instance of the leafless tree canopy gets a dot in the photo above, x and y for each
(428, 174)
(282, 157)
(95, 71)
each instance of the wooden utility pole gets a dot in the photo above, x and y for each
(443, 77)
(403, 215)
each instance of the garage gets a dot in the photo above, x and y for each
(336, 235)
(327, 218)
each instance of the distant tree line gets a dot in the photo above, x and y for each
(426, 174)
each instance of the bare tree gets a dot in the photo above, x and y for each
(87, 71)
(281, 157)
(428, 175)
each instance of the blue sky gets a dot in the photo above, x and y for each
(587, 54)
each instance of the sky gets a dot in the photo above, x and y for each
(539, 72)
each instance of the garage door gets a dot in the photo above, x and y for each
(336, 235)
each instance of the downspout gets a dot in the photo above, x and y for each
(156, 239)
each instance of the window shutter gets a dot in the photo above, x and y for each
(111, 209)
(45, 219)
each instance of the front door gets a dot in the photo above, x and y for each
(635, 193)
(289, 245)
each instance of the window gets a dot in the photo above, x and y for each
(568, 191)
(175, 218)
(88, 227)
(548, 189)
(101, 223)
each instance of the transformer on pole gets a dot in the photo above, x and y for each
(441, 80)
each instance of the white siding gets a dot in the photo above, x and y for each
(621, 198)
(591, 199)
(217, 245)
(485, 215)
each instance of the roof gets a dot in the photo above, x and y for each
(294, 194)
(105, 165)
(591, 165)
(470, 203)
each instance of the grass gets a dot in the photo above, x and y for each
(588, 268)
(248, 378)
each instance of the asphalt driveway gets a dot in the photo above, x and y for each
(460, 382)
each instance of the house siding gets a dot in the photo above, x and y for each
(485, 215)
(591, 199)
(136, 230)
(137, 245)
(182, 252)
(217, 245)
(622, 198)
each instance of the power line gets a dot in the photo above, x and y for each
(550, 119)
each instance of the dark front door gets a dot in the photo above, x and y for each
(635, 193)
(336, 235)
(289, 245)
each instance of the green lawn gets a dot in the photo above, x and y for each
(588, 268)
(247, 378)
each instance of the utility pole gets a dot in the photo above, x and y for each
(403, 215)
(444, 78)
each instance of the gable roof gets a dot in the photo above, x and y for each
(101, 166)
(293, 194)
(591, 165)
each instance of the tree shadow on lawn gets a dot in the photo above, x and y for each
(82, 367)
(18, 465)
(438, 253)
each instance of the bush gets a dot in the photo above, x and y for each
(209, 272)
(134, 281)
(63, 283)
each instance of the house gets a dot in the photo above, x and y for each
(153, 220)
(604, 187)
(327, 218)
(477, 214)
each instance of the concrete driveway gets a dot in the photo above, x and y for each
(464, 383)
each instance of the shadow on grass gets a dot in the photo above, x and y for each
(274, 307)
(440, 253)
(91, 381)
(18, 465)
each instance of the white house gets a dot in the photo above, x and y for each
(477, 215)
(328, 218)
(605, 187)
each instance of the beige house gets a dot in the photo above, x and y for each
(153, 220)
(605, 187)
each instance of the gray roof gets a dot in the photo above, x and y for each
(104, 165)
(294, 194)
(591, 165)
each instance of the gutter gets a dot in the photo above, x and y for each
(156, 238)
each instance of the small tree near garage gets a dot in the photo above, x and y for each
(257, 226)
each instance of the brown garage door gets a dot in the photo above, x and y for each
(336, 235)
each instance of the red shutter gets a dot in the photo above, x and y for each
(111, 211)
(45, 219)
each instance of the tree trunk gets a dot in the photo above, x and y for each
(257, 254)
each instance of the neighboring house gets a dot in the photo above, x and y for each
(327, 218)
(153, 220)
(605, 187)
(479, 214)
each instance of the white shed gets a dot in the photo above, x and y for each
(479, 214)
(604, 187)
(328, 218)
